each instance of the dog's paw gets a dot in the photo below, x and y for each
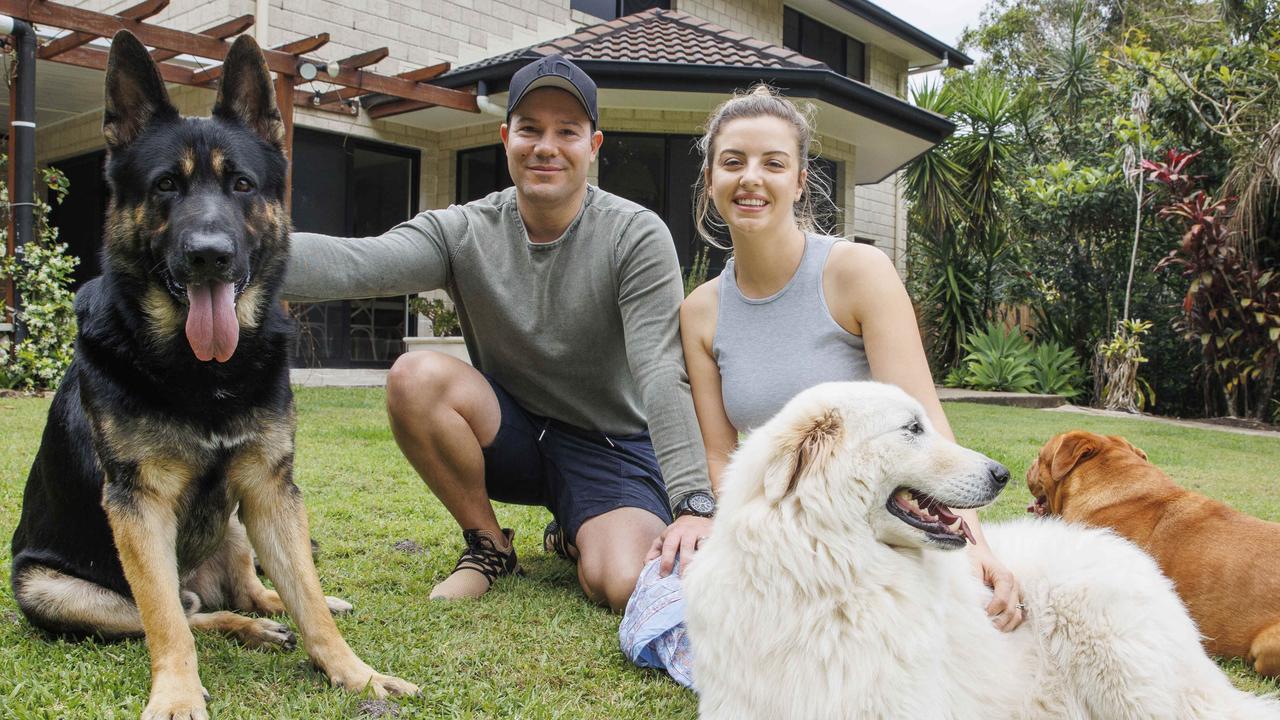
(176, 705)
(365, 678)
(264, 633)
(338, 606)
(383, 685)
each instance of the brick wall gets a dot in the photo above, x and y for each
(886, 72)
(417, 32)
(761, 19)
(880, 214)
(188, 15)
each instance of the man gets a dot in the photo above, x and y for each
(568, 297)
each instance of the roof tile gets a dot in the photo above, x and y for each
(665, 36)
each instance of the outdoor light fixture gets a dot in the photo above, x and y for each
(332, 68)
(306, 70)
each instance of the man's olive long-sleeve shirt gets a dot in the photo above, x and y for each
(584, 329)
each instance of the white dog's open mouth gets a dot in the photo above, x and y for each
(928, 514)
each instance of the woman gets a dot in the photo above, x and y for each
(792, 308)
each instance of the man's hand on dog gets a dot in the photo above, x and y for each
(1005, 608)
(681, 536)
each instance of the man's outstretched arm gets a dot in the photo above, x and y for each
(409, 258)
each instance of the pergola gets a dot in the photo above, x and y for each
(290, 63)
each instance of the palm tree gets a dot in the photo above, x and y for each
(956, 195)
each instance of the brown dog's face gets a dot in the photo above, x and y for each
(1052, 477)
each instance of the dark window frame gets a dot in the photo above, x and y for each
(72, 214)
(502, 176)
(802, 34)
(673, 142)
(350, 145)
(614, 9)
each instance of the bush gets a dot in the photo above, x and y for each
(1056, 370)
(444, 319)
(998, 358)
(1003, 359)
(41, 272)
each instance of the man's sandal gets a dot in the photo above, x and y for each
(479, 566)
(553, 541)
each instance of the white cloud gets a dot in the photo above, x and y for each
(944, 20)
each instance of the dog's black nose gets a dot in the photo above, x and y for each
(999, 474)
(209, 253)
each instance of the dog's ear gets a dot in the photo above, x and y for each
(135, 92)
(800, 450)
(1073, 448)
(246, 95)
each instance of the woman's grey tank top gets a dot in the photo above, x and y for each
(771, 349)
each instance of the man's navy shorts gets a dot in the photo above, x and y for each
(577, 474)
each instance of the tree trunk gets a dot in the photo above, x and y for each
(1266, 385)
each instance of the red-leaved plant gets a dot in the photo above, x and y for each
(1232, 307)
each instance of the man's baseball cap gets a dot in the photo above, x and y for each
(554, 71)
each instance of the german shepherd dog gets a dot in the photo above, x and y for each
(176, 409)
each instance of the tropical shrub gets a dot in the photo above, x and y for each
(442, 316)
(697, 273)
(41, 272)
(1056, 370)
(998, 358)
(1232, 305)
(1117, 370)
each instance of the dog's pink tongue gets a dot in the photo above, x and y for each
(212, 328)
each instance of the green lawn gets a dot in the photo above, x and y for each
(533, 648)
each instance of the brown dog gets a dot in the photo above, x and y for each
(1223, 562)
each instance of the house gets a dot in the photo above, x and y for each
(661, 67)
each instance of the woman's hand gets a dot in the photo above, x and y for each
(681, 536)
(1006, 608)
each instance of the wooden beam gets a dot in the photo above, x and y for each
(365, 59)
(429, 72)
(46, 12)
(416, 75)
(206, 76)
(305, 99)
(221, 31)
(304, 45)
(396, 107)
(97, 60)
(141, 11)
(296, 47)
(354, 62)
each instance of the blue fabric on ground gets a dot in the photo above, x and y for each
(652, 633)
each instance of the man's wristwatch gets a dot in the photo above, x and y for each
(698, 502)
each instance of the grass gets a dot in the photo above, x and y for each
(534, 648)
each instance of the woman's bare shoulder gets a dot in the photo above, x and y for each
(859, 261)
(703, 300)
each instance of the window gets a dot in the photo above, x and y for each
(824, 43)
(81, 216)
(613, 9)
(351, 187)
(657, 171)
(827, 213)
(481, 171)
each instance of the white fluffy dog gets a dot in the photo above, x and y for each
(832, 588)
